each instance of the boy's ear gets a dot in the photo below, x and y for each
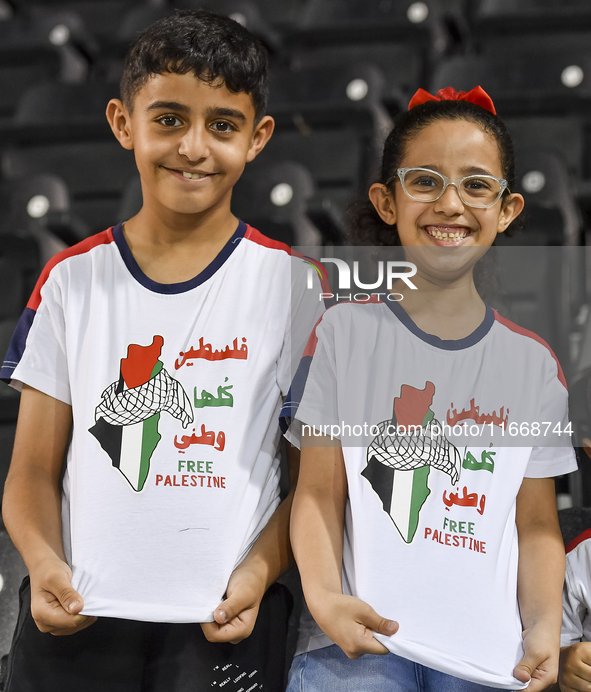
(510, 210)
(261, 135)
(383, 201)
(119, 120)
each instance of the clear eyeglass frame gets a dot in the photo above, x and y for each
(401, 172)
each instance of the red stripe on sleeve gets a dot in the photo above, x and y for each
(578, 540)
(103, 238)
(532, 335)
(260, 239)
(313, 340)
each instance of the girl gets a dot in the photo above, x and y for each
(407, 536)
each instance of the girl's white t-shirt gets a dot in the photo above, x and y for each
(430, 538)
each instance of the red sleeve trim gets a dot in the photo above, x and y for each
(579, 539)
(103, 238)
(532, 335)
(260, 239)
(313, 340)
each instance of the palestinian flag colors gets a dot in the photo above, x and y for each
(127, 417)
(399, 463)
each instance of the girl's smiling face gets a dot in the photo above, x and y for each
(455, 148)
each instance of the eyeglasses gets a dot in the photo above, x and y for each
(425, 185)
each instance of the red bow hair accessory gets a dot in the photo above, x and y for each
(477, 96)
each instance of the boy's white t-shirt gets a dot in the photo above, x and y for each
(430, 538)
(173, 466)
(576, 596)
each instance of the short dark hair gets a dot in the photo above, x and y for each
(364, 222)
(213, 47)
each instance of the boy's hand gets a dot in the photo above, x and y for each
(540, 660)
(235, 617)
(575, 668)
(351, 623)
(55, 605)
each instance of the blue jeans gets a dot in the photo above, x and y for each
(329, 670)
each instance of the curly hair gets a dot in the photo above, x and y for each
(214, 48)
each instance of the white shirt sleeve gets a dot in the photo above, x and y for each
(554, 456)
(313, 395)
(306, 309)
(44, 364)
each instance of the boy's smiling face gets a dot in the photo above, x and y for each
(191, 141)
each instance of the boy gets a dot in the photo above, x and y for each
(156, 354)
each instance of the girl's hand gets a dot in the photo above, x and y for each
(55, 605)
(351, 623)
(540, 660)
(235, 617)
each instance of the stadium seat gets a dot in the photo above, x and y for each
(19, 269)
(531, 286)
(331, 121)
(39, 208)
(283, 15)
(552, 214)
(273, 198)
(562, 135)
(95, 173)
(64, 28)
(536, 83)
(580, 402)
(402, 66)
(573, 522)
(12, 572)
(53, 111)
(101, 18)
(25, 58)
(547, 283)
(350, 94)
(374, 19)
(583, 364)
(530, 16)
(337, 160)
(9, 402)
(84, 27)
(137, 19)
(245, 12)
(131, 200)
(61, 104)
(523, 281)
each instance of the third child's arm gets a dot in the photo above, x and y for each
(574, 674)
(539, 583)
(317, 539)
(31, 510)
(575, 668)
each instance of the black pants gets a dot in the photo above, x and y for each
(128, 656)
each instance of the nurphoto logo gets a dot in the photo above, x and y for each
(391, 271)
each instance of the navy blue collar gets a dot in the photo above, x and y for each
(450, 344)
(183, 286)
